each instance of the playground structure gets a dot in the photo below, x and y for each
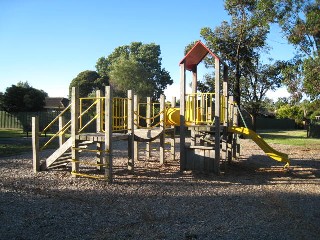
(211, 118)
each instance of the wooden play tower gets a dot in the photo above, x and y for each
(206, 115)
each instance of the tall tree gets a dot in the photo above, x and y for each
(88, 81)
(300, 22)
(238, 41)
(136, 66)
(23, 98)
(260, 79)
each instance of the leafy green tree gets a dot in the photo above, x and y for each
(129, 74)
(300, 23)
(239, 41)
(23, 98)
(262, 78)
(294, 112)
(281, 101)
(136, 66)
(88, 82)
(1, 100)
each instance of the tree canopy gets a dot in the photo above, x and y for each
(23, 98)
(239, 41)
(88, 81)
(300, 23)
(136, 66)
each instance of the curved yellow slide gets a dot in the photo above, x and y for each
(271, 152)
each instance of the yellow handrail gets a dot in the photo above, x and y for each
(55, 119)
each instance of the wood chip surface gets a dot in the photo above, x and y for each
(254, 198)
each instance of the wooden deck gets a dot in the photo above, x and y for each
(100, 137)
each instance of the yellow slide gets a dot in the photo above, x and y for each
(278, 156)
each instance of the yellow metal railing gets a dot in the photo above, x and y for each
(89, 111)
(120, 114)
(88, 114)
(200, 108)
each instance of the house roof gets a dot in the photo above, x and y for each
(56, 102)
(196, 54)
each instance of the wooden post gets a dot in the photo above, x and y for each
(162, 128)
(75, 129)
(108, 135)
(99, 122)
(35, 144)
(216, 162)
(226, 154)
(195, 103)
(148, 115)
(173, 142)
(131, 131)
(135, 126)
(182, 116)
(62, 137)
(99, 110)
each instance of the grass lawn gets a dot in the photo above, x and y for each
(12, 133)
(290, 137)
(14, 141)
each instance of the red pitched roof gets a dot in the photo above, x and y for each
(197, 53)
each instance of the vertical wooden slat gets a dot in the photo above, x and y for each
(182, 116)
(99, 122)
(195, 103)
(62, 137)
(135, 126)
(148, 115)
(173, 142)
(162, 128)
(216, 161)
(131, 128)
(75, 129)
(108, 135)
(35, 144)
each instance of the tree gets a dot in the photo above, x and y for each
(300, 23)
(239, 41)
(23, 98)
(136, 66)
(262, 78)
(88, 82)
(129, 74)
(294, 112)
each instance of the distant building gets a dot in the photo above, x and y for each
(56, 103)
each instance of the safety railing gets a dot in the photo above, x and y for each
(200, 108)
(61, 131)
(89, 112)
(149, 118)
(120, 114)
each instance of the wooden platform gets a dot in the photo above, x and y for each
(100, 137)
(148, 135)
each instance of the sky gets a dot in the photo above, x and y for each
(48, 43)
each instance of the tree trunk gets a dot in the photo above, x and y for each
(254, 121)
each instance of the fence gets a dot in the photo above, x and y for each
(22, 120)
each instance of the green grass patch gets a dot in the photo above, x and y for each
(14, 142)
(12, 133)
(290, 137)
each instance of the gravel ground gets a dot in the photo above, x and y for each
(253, 199)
